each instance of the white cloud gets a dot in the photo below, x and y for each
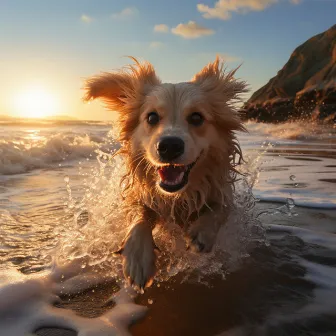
(161, 28)
(223, 9)
(191, 30)
(156, 45)
(295, 2)
(86, 18)
(126, 13)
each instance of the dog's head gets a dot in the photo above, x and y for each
(174, 133)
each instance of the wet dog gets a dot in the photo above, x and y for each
(181, 151)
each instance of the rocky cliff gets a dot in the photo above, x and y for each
(304, 88)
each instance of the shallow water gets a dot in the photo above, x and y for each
(59, 204)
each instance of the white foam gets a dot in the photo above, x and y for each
(26, 304)
(296, 130)
(33, 151)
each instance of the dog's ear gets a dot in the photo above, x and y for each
(117, 89)
(110, 87)
(123, 91)
(223, 91)
(214, 79)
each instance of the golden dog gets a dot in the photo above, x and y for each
(181, 153)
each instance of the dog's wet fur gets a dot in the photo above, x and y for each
(181, 151)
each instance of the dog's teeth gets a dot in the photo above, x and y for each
(180, 177)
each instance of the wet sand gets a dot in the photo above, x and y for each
(270, 283)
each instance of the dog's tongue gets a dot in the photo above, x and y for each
(171, 174)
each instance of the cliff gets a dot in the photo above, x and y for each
(304, 88)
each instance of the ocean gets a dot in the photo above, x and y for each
(273, 271)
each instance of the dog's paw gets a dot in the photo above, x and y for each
(139, 256)
(201, 238)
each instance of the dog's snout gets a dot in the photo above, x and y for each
(170, 148)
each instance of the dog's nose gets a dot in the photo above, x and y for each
(170, 148)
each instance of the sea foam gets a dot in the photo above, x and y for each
(36, 149)
(26, 303)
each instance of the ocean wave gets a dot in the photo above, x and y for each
(298, 130)
(300, 201)
(23, 155)
(50, 123)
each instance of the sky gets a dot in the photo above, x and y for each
(49, 47)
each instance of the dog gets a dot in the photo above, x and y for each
(181, 154)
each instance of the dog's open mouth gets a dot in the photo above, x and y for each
(173, 177)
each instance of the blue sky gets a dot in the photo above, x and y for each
(58, 43)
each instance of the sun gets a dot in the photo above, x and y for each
(35, 102)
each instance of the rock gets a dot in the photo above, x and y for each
(305, 88)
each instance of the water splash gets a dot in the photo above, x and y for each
(95, 228)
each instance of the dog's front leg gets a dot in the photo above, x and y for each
(202, 233)
(138, 250)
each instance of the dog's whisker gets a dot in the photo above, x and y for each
(136, 158)
(134, 172)
(148, 168)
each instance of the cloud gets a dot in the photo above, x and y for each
(223, 9)
(295, 2)
(126, 13)
(86, 18)
(161, 28)
(156, 45)
(191, 30)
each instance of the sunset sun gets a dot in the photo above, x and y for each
(35, 102)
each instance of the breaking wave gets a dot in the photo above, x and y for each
(298, 130)
(22, 155)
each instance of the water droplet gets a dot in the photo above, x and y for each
(290, 204)
(290, 201)
(292, 177)
(150, 301)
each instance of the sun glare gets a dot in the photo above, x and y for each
(35, 102)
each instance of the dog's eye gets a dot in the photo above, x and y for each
(195, 119)
(153, 118)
